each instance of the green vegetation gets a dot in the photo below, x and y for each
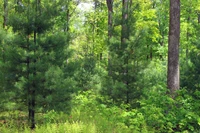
(104, 69)
(93, 113)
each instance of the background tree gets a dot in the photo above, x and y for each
(110, 30)
(189, 47)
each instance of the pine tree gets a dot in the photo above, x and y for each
(39, 45)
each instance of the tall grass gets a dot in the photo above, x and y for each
(76, 127)
(76, 122)
(67, 127)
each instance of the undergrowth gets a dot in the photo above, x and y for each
(92, 113)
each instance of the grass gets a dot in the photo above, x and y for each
(16, 122)
(67, 127)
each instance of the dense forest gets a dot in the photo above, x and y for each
(99, 66)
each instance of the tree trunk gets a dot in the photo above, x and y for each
(5, 7)
(187, 38)
(173, 47)
(110, 14)
(124, 31)
(110, 30)
(67, 21)
(124, 38)
(28, 84)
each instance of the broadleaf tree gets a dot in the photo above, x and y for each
(173, 81)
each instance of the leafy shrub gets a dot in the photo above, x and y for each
(88, 107)
(165, 114)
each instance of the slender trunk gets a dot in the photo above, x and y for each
(5, 5)
(187, 38)
(173, 47)
(161, 40)
(28, 84)
(66, 25)
(161, 30)
(33, 88)
(32, 112)
(124, 31)
(67, 18)
(28, 71)
(198, 13)
(110, 21)
(5, 16)
(150, 52)
(124, 38)
(110, 30)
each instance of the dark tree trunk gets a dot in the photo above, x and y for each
(66, 24)
(110, 14)
(124, 31)
(32, 107)
(110, 30)
(5, 16)
(173, 47)
(124, 38)
(150, 53)
(29, 88)
(28, 84)
(33, 86)
(67, 19)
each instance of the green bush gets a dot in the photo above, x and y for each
(88, 107)
(165, 114)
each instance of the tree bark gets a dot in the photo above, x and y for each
(110, 30)
(173, 82)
